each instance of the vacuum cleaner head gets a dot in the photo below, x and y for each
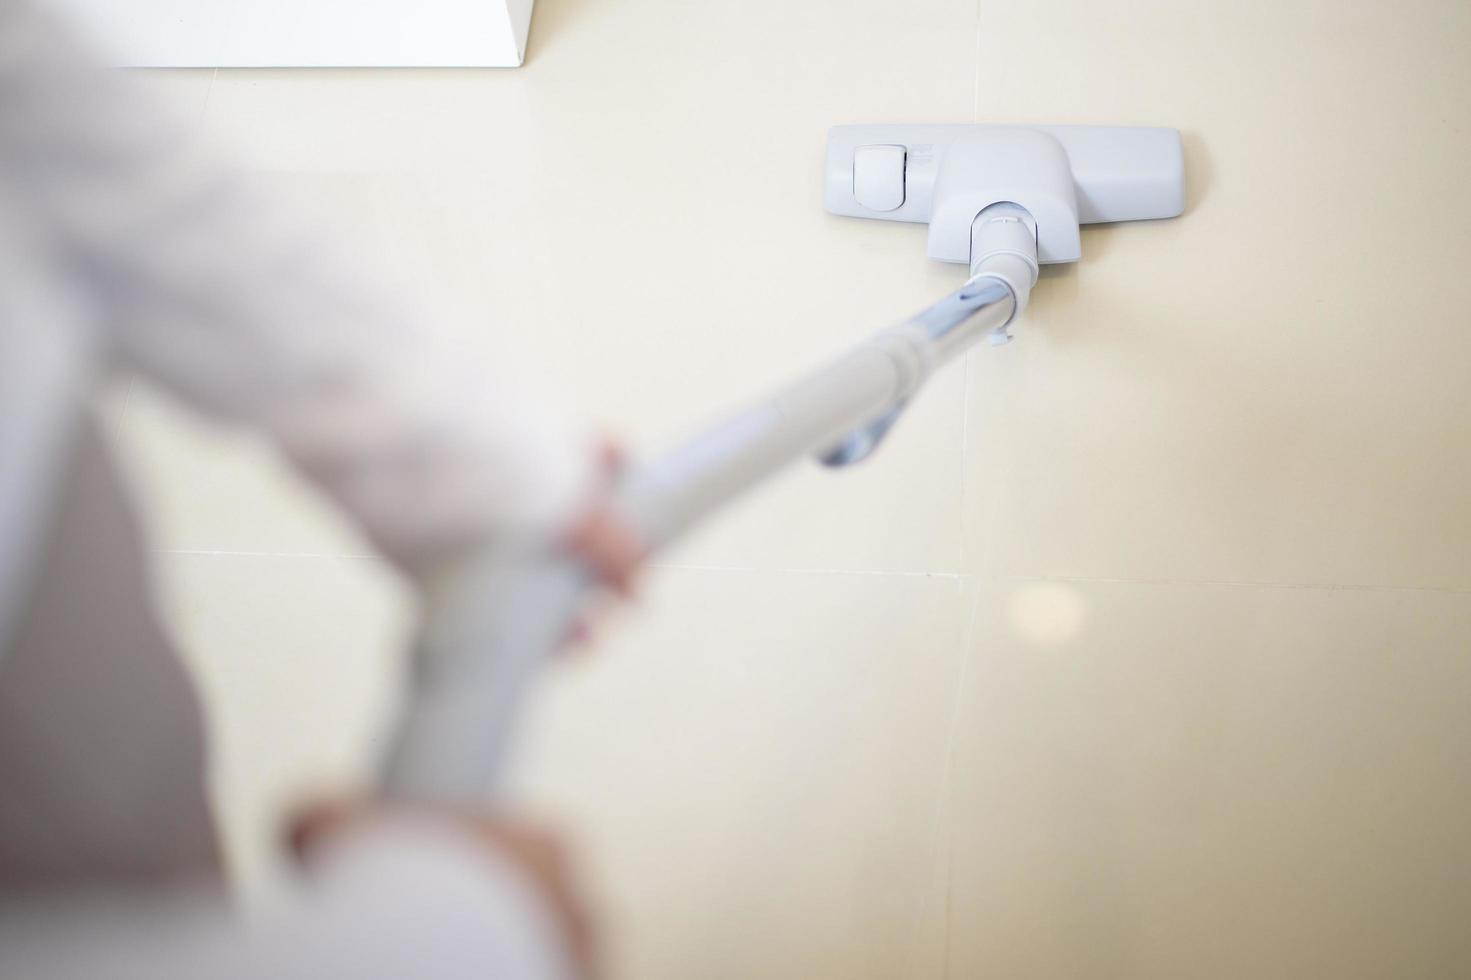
(945, 175)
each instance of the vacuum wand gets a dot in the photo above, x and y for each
(493, 621)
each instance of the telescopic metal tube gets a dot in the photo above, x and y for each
(673, 492)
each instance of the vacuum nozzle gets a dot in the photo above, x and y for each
(1063, 176)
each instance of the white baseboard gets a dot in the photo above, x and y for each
(308, 33)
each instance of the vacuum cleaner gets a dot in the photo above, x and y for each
(1002, 200)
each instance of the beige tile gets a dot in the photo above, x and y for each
(297, 661)
(752, 768)
(768, 77)
(1212, 782)
(1270, 388)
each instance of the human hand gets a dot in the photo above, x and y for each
(537, 854)
(602, 538)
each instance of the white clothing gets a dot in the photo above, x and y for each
(123, 249)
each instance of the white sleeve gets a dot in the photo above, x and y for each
(213, 290)
(387, 903)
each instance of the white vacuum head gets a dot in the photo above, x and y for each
(945, 175)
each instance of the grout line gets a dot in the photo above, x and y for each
(1231, 584)
(208, 92)
(961, 577)
(942, 827)
(790, 570)
(964, 454)
(975, 82)
(676, 566)
(905, 573)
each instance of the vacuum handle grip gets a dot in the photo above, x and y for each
(488, 627)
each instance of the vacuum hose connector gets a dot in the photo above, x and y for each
(1003, 247)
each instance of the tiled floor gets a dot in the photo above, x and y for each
(1143, 648)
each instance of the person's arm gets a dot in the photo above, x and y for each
(211, 289)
